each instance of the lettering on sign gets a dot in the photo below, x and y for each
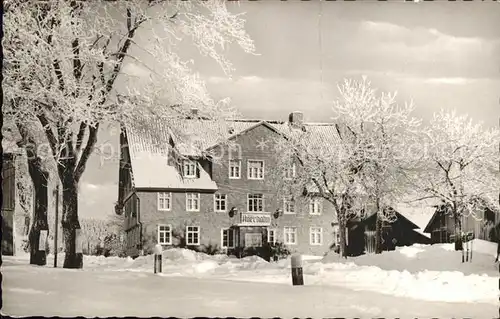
(255, 219)
(42, 242)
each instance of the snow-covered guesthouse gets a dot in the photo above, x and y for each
(216, 187)
(173, 195)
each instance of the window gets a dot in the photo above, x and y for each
(315, 206)
(288, 205)
(220, 202)
(290, 172)
(164, 235)
(192, 235)
(234, 169)
(255, 169)
(316, 236)
(164, 201)
(189, 169)
(336, 235)
(271, 236)
(255, 203)
(227, 238)
(192, 202)
(290, 235)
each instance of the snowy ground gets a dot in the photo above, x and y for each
(425, 279)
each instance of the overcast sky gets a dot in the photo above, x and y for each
(440, 54)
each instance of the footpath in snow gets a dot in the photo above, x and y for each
(424, 272)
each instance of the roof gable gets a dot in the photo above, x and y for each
(149, 150)
(399, 216)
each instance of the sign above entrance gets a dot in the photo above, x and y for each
(255, 219)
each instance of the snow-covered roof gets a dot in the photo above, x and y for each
(418, 212)
(149, 149)
(151, 168)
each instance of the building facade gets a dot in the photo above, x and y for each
(442, 228)
(14, 221)
(172, 196)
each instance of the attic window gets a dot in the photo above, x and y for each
(189, 169)
(231, 130)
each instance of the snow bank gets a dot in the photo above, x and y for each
(433, 273)
(438, 257)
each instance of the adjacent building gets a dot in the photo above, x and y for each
(441, 226)
(399, 232)
(11, 220)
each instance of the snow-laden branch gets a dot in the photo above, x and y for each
(460, 166)
(70, 60)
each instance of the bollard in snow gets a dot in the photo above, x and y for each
(297, 277)
(157, 259)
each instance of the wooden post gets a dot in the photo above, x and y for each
(56, 228)
(297, 276)
(157, 258)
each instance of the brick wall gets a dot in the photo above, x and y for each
(211, 222)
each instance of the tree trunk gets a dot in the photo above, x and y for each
(70, 223)
(342, 230)
(378, 228)
(458, 233)
(378, 234)
(39, 176)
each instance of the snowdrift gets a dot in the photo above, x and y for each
(433, 273)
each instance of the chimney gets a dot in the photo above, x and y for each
(296, 119)
(194, 112)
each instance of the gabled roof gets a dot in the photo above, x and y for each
(437, 210)
(419, 213)
(400, 217)
(192, 138)
(151, 168)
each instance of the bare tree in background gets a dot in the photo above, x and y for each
(63, 60)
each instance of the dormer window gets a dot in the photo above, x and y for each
(189, 169)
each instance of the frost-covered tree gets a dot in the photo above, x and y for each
(385, 132)
(459, 167)
(63, 61)
(361, 165)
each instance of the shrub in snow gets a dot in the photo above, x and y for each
(113, 246)
(268, 251)
(210, 249)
